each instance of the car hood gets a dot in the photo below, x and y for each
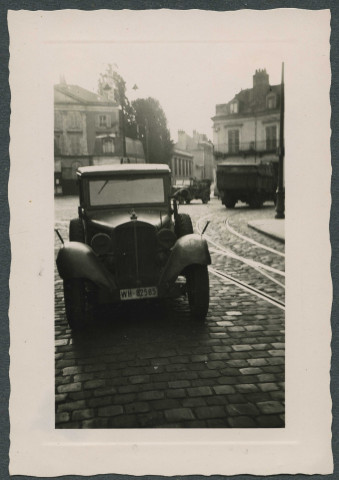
(112, 219)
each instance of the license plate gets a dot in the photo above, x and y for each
(138, 293)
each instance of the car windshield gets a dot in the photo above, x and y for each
(130, 191)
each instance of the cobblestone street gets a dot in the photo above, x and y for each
(144, 365)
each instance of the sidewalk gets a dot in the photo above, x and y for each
(272, 227)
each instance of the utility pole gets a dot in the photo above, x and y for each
(123, 132)
(147, 139)
(280, 206)
(255, 137)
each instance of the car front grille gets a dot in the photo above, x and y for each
(135, 247)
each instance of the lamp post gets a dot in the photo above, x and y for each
(121, 108)
(280, 205)
(147, 139)
(107, 92)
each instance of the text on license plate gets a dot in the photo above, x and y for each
(137, 293)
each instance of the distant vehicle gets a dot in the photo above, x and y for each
(252, 183)
(193, 190)
(129, 243)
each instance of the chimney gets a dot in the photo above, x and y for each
(182, 139)
(260, 78)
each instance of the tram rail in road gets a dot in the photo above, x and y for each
(248, 288)
(260, 267)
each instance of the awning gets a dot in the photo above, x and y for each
(106, 135)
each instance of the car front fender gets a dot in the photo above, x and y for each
(77, 260)
(188, 250)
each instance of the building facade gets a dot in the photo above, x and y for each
(181, 167)
(87, 131)
(201, 150)
(247, 127)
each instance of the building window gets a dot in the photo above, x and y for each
(75, 141)
(74, 120)
(104, 121)
(271, 101)
(107, 145)
(191, 168)
(58, 144)
(233, 141)
(179, 166)
(234, 107)
(57, 121)
(271, 137)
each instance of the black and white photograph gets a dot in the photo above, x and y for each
(170, 277)
(168, 166)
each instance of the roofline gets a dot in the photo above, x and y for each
(182, 152)
(237, 116)
(245, 90)
(80, 99)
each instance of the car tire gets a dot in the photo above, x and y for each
(255, 201)
(205, 200)
(76, 302)
(188, 201)
(183, 225)
(197, 283)
(76, 231)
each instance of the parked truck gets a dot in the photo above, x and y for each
(252, 183)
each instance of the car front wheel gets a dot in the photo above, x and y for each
(197, 282)
(76, 302)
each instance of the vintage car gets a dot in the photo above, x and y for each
(193, 190)
(129, 243)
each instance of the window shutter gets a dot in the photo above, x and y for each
(97, 120)
(109, 122)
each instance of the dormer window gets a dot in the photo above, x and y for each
(234, 107)
(271, 102)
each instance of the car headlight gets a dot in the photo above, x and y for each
(101, 243)
(166, 238)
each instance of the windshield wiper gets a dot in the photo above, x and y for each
(104, 185)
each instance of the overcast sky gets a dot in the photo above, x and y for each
(188, 80)
(189, 61)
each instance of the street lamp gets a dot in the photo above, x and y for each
(121, 109)
(147, 139)
(280, 206)
(117, 96)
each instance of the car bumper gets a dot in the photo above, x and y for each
(174, 290)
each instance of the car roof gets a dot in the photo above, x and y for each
(125, 168)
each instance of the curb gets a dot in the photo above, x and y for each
(270, 234)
